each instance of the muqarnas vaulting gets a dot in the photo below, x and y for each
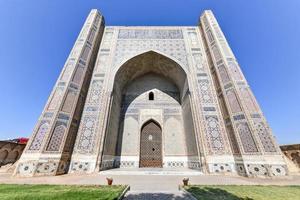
(158, 97)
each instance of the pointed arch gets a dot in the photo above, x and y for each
(149, 121)
(149, 62)
(130, 83)
(151, 144)
(124, 61)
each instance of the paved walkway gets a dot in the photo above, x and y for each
(176, 195)
(150, 182)
(151, 186)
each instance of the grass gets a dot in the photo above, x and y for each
(236, 192)
(59, 192)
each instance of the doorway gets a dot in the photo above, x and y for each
(151, 145)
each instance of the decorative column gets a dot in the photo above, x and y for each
(88, 147)
(215, 152)
(49, 149)
(256, 152)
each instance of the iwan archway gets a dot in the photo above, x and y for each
(185, 78)
(150, 120)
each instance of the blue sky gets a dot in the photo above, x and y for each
(37, 36)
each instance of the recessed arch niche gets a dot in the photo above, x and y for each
(134, 81)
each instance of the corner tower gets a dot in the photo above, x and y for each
(254, 147)
(49, 149)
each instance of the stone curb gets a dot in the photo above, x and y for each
(124, 192)
(181, 188)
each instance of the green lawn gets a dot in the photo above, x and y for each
(235, 192)
(59, 192)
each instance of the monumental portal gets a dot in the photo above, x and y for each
(151, 97)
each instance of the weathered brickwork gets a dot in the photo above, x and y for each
(185, 80)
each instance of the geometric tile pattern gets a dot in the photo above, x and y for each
(175, 164)
(221, 168)
(232, 139)
(216, 53)
(233, 67)
(69, 101)
(205, 91)
(233, 102)
(126, 164)
(126, 49)
(55, 98)
(56, 138)
(223, 73)
(96, 88)
(214, 135)
(248, 99)
(86, 138)
(240, 168)
(194, 165)
(257, 170)
(68, 69)
(278, 170)
(39, 137)
(108, 164)
(149, 34)
(80, 166)
(26, 168)
(48, 167)
(246, 138)
(264, 137)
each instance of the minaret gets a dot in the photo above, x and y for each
(49, 149)
(252, 142)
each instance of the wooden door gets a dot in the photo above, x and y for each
(151, 145)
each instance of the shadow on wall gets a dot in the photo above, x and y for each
(10, 152)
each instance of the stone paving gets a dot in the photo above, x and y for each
(176, 195)
(151, 187)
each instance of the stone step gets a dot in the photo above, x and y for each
(151, 171)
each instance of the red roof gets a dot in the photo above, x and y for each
(22, 140)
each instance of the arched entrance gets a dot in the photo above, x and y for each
(151, 145)
(150, 86)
